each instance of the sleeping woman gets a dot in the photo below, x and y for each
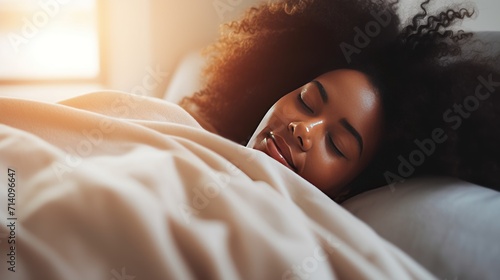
(373, 98)
(327, 131)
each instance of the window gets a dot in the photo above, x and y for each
(49, 40)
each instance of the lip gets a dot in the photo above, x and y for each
(279, 150)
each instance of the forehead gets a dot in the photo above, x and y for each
(350, 86)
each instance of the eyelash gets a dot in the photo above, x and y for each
(304, 105)
(334, 147)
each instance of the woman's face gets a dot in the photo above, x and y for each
(326, 131)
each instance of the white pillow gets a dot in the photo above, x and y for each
(449, 226)
(186, 79)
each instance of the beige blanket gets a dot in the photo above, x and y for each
(114, 186)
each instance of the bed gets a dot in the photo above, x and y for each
(447, 225)
(109, 185)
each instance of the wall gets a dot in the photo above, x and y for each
(179, 27)
(146, 39)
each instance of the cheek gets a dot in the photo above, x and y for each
(289, 112)
(286, 109)
(328, 174)
(322, 171)
(281, 118)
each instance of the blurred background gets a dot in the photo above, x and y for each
(55, 49)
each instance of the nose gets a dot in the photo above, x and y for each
(303, 133)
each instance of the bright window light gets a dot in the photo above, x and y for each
(48, 39)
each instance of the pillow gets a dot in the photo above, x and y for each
(447, 225)
(186, 79)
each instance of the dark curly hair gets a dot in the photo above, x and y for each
(437, 121)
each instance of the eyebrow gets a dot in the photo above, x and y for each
(354, 133)
(322, 91)
(343, 121)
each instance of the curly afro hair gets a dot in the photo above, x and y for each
(435, 93)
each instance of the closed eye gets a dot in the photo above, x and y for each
(334, 147)
(304, 104)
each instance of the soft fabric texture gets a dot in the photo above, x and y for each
(448, 225)
(114, 186)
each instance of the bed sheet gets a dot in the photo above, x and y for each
(114, 186)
